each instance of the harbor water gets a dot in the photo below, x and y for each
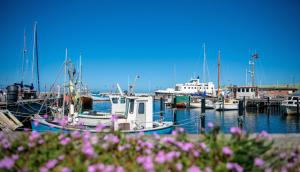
(271, 120)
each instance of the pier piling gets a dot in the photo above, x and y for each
(203, 106)
(297, 105)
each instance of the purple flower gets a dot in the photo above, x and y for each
(20, 148)
(45, 116)
(114, 118)
(66, 169)
(193, 169)
(41, 141)
(168, 139)
(259, 162)
(76, 134)
(7, 163)
(210, 125)
(61, 157)
(44, 169)
(160, 157)
(100, 127)
(174, 132)
(230, 166)
(65, 141)
(179, 166)
(238, 168)
(119, 169)
(208, 169)
(51, 163)
(88, 149)
(265, 135)
(235, 131)
(92, 168)
(111, 138)
(34, 135)
(227, 151)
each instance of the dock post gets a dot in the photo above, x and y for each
(161, 109)
(174, 116)
(189, 103)
(297, 105)
(244, 105)
(241, 112)
(202, 115)
(203, 106)
(223, 102)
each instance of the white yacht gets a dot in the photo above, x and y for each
(192, 87)
(289, 106)
(228, 104)
(197, 104)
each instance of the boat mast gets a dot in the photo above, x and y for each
(24, 55)
(204, 62)
(65, 78)
(37, 56)
(80, 74)
(219, 69)
(35, 53)
(252, 63)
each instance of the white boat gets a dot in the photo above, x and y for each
(97, 97)
(197, 104)
(289, 106)
(138, 118)
(94, 118)
(228, 104)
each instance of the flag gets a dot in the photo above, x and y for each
(255, 56)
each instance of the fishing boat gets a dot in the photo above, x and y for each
(227, 104)
(138, 118)
(196, 103)
(290, 105)
(99, 97)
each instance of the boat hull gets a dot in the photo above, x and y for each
(43, 126)
(221, 107)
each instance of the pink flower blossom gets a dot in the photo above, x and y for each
(66, 169)
(100, 127)
(61, 157)
(114, 118)
(210, 125)
(20, 148)
(235, 131)
(259, 162)
(51, 163)
(208, 169)
(111, 138)
(7, 162)
(193, 169)
(179, 166)
(44, 169)
(87, 149)
(76, 134)
(65, 141)
(227, 151)
(34, 135)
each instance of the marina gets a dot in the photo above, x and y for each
(149, 86)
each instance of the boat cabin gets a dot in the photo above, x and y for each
(138, 114)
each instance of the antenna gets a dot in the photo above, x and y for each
(252, 63)
(204, 62)
(65, 78)
(219, 71)
(24, 55)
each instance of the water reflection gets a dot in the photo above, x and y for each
(270, 120)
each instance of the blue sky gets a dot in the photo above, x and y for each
(151, 38)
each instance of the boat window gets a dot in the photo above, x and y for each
(115, 100)
(290, 102)
(242, 89)
(247, 89)
(122, 100)
(239, 90)
(294, 98)
(141, 108)
(131, 106)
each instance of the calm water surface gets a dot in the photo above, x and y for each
(271, 121)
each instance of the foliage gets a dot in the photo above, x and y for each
(84, 151)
